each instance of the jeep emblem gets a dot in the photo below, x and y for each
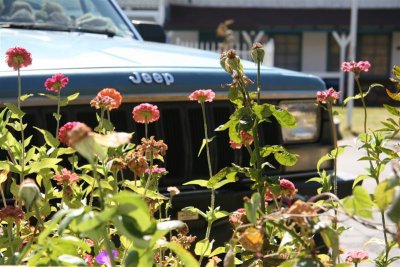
(147, 78)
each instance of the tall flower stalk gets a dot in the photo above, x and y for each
(17, 58)
(202, 96)
(357, 68)
(55, 84)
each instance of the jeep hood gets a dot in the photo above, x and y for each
(71, 50)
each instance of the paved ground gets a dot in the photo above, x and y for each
(358, 235)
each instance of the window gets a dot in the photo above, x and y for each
(376, 49)
(333, 54)
(287, 51)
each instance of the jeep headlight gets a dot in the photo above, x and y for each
(307, 120)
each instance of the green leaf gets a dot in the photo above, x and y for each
(394, 211)
(330, 156)
(15, 110)
(218, 214)
(185, 256)
(170, 225)
(68, 218)
(360, 178)
(252, 205)
(205, 141)
(392, 110)
(263, 112)
(64, 102)
(224, 126)
(71, 260)
(284, 117)
(50, 96)
(358, 96)
(132, 260)
(57, 116)
(202, 183)
(25, 97)
(383, 195)
(217, 251)
(47, 163)
(48, 137)
(228, 172)
(331, 239)
(203, 247)
(359, 203)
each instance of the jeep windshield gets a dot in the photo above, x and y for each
(91, 16)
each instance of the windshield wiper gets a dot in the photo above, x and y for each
(55, 27)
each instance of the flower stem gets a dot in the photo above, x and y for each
(258, 82)
(334, 137)
(22, 156)
(212, 206)
(58, 111)
(150, 174)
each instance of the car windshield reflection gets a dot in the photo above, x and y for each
(92, 16)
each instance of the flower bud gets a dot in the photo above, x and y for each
(257, 53)
(28, 192)
(222, 62)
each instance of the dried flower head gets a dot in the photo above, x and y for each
(251, 239)
(300, 211)
(329, 96)
(56, 82)
(108, 99)
(356, 67)
(66, 177)
(356, 256)
(88, 259)
(137, 163)
(145, 113)
(11, 214)
(156, 170)
(18, 57)
(202, 95)
(173, 190)
(64, 130)
(151, 146)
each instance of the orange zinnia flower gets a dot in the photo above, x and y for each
(108, 98)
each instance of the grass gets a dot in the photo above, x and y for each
(374, 117)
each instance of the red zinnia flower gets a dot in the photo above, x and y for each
(18, 57)
(287, 188)
(63, 132)
(11, 213)
(330, 96)
(108, 98)
(65, 177)
(146, 113)
(202, 95)
(56, 82)
(356, 256)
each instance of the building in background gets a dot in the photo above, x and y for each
(301, 31)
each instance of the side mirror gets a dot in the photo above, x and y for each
(150, 31)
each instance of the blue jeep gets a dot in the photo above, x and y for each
(96, 46)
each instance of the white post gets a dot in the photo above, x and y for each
(342, 41)
(352, 56)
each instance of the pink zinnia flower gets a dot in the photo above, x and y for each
(202, 95)
(11, 213)
(63, 132)
(65, 177)
(329, 96)
(287, 188)
(356, 67)
(156, 170)
(247, 139)
(88, 259)
(108, 98)
(237, 216)
(146, 113)
(18, 57)
(173, 190)
(56, 82)
(356, 256)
